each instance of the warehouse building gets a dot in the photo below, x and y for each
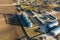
(52, 24)
(56, 31)
(25, 20)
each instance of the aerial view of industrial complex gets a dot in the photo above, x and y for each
(29, 19)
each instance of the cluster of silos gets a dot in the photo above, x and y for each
(25, 20)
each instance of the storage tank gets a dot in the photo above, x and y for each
(52, 24)
(56, 31)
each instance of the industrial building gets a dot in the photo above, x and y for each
(44, 17)
(48, 26)
(52, 24)
(25, 20)
(55, 31)
(51, 17)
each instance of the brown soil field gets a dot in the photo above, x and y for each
(8, 31)
(7, 10)
(6, 1)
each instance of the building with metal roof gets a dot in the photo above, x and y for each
(26, 21)
(52, 24)
(56, 31)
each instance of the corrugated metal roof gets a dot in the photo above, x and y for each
(52, 24)
(56, 31)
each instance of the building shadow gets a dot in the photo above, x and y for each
(11, 19)
(59, 21)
